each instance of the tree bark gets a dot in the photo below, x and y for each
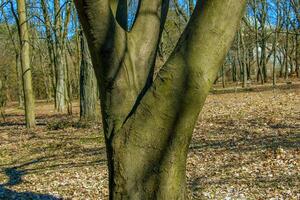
(19, 81)
(17, 58)
(88, 85)
(60, 61)
(259, 68)
(148, 124)
(25, 63)
(50, 47)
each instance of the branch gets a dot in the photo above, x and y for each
(179, 11)
(159, 131)
(185, 80)
(151, 16)
(90, 13)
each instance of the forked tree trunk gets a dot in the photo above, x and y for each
(148, 124)
(25, 63)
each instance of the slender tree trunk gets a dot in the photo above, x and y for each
(263, 40)
(278, 19)
(281, 60)
(59, 56)
(297, 53)
(274, 59)
(17, 58)
(286, 70)
(19, 81)
(60, 61)
(191, 7)
(2, 100)
(259, 70)
(243, 59)
(223, 76)
(234, 78)
(60, 81)
(148, 124)
(25, 63)
(50, 48)
(68, 86)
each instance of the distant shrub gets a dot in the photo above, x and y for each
(82, 124)
(58, 125)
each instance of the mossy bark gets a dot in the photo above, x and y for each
(148, 124)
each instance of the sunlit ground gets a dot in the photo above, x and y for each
(245, 146)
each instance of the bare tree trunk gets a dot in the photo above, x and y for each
(223, 76)
(233, 65)
(259, 69)
(297, 52)
(274, 61)
(148, 124)
(60, 61)
(191, 7)
(17, 58)
(243, 59)
(286, 13)
(278, 21)
(88, 85)
(2, 100)
(25, 63)
(50, 47)
(68, 86)
(19, 81)
(263, 58)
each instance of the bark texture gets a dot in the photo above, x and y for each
(25, 63)
(60, 33)
(88, 85)
(148, 124)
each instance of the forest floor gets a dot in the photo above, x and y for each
(245, 146)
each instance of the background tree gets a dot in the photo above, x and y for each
(25, 63)
(88, 85)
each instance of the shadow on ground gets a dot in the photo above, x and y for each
(55, 155)
(15, 175)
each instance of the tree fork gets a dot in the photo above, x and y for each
(148, 124)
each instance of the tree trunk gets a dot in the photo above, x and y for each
(88, 85)
(17, 58)
(2, 100)
(259, 70)
(297, 53)
(19, 81)
(148, 124)
(25, 63)
(243, 59)
(286, 70)
(60, 81)
(191, 7)
(223, 76)
(68, 86)
(50, 48)
(274, 61)
(60, 61)
(263, 40)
